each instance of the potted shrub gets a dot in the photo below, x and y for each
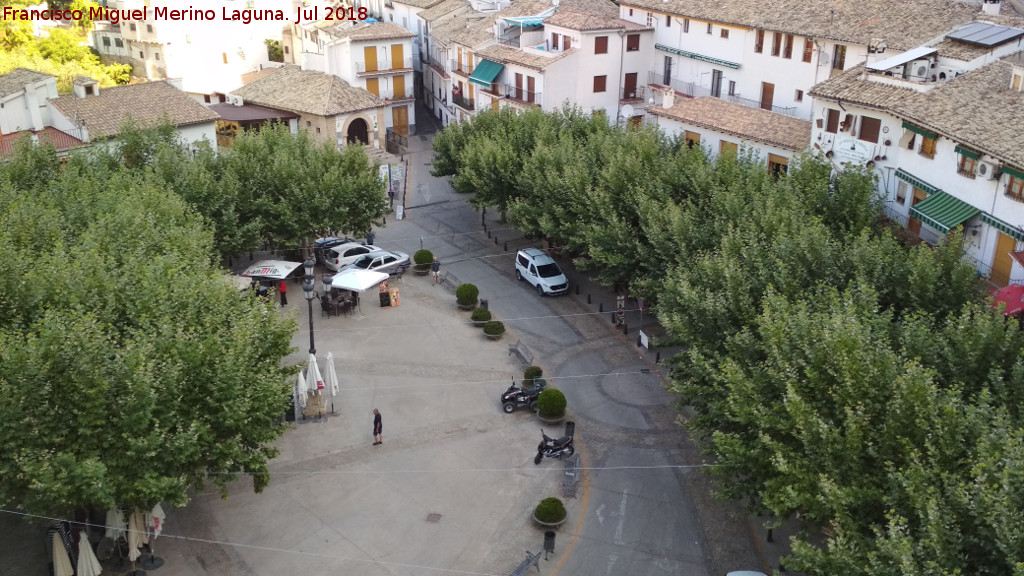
(466, 296)
(421, 262)
(494, 329)
(551, 404)
(480, 317)
(532, 377)
(550, 512)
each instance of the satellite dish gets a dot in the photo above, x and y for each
(627, 111)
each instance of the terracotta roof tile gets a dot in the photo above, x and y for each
(443, 9)
(587, 22)
(902, 24)
(741, 121)
(61, 141)
(306, 92)
(17, 79)
(522, 8)
(509, 55)
(468, 29)
(147, 103)
(368, 31)
(420, 3)
(959, 50)
(977, 109)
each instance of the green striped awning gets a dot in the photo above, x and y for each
(1013, 171)
(915, 181)
(1011, 231)
(942, 211)
(699, 57)
(918, 130)
(967, 152)
(485, 73)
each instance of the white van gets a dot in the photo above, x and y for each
(537, 268)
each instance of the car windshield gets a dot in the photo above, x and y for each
(548, 270)
(363, 262)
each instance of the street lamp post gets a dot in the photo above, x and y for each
(309, 287)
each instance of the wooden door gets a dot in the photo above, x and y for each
(629, 91)
(494, 104)
(399, 87)
(458, 52)
(370, 56)
(373, 86)
(1002, 262)
(397, 56)
(767, 95)
(400, 120)
(530, 93)
(519, 86)
(914, 225)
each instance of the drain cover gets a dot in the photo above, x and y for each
(433, 517)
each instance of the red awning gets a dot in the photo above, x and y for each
(1012, 296)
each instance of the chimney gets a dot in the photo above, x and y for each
(664, 96)
(85, 86)
(991, 6)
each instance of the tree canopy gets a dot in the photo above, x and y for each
(831, 371)
(130, 370)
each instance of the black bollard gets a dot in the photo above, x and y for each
(577, 289)
(483, 219)
(638, 341)
(229, 262)
(485, 227)
(657, 358)
(250, 256)
(506, 246)
(600, 306)
(488, 233)
(625, 328)
(588, 298)
(770, 539)
(612, 316)
(495, 240)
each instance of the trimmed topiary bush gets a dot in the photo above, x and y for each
(466, 294)
(532, 376)
(550, 511)
(494, 328)
(480, 316)
(423, 257)
(551, 403)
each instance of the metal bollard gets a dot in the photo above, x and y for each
(657, 358)
(506, 246)
(495, 240)
(600, 308)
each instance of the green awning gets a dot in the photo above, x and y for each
(1013, 171)
(942, 211)
(699, 57)
(967, 152)
(918, 130)
(485, 73)
(915, 181)
(1011, 231)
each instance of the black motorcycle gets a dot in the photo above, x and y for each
(516, 397)
(553, 448)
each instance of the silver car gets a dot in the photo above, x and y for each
(381, 261)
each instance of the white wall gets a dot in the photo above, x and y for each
(712, 139)
(199, 132)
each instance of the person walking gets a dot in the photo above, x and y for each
(377, 428)
(284, 293)
(435, 269)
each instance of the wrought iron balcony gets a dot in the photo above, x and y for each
(383, 66)
(465, 68)
(464, 103)
(522, 95)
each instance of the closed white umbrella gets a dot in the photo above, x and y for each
(154, 525)
(332, 379)
(88, 564)
(61, 562)
(316, 381)
(136, 535)
(115, 524)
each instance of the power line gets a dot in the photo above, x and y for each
(473, 382)
(436, 324)
(467, 470)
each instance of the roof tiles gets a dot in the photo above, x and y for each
(17, 79)
(307, 92)
(147, 103)
(741, 121)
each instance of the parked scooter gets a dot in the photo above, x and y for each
(553, 448)
(516, 397)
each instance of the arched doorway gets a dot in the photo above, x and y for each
(357, 132)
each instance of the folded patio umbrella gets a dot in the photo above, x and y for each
(88, 564)
(61, 562)
(136, 535)
(115, 524)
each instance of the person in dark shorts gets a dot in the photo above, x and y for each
(435, 269)
(377, 428)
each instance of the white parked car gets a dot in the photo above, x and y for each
(541, 272)
(336, 257)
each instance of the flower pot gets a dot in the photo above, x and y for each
(550, 419)
(466, 307)
(421, 269)
(550, 524)
(494, 336)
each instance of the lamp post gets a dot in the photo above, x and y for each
(309, 287)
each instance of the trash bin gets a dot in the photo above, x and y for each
(570, 428)
(289, 412)
(483, 304)
(549, 541)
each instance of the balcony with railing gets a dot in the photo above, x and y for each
(694, 91)
(635, 94)
(383, 67)
(461, 68)
(522, 96)
(464, 103)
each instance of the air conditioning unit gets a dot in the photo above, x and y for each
(235, 100)
(989, 171)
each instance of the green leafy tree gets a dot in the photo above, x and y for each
(274, 51)
(130, 371)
